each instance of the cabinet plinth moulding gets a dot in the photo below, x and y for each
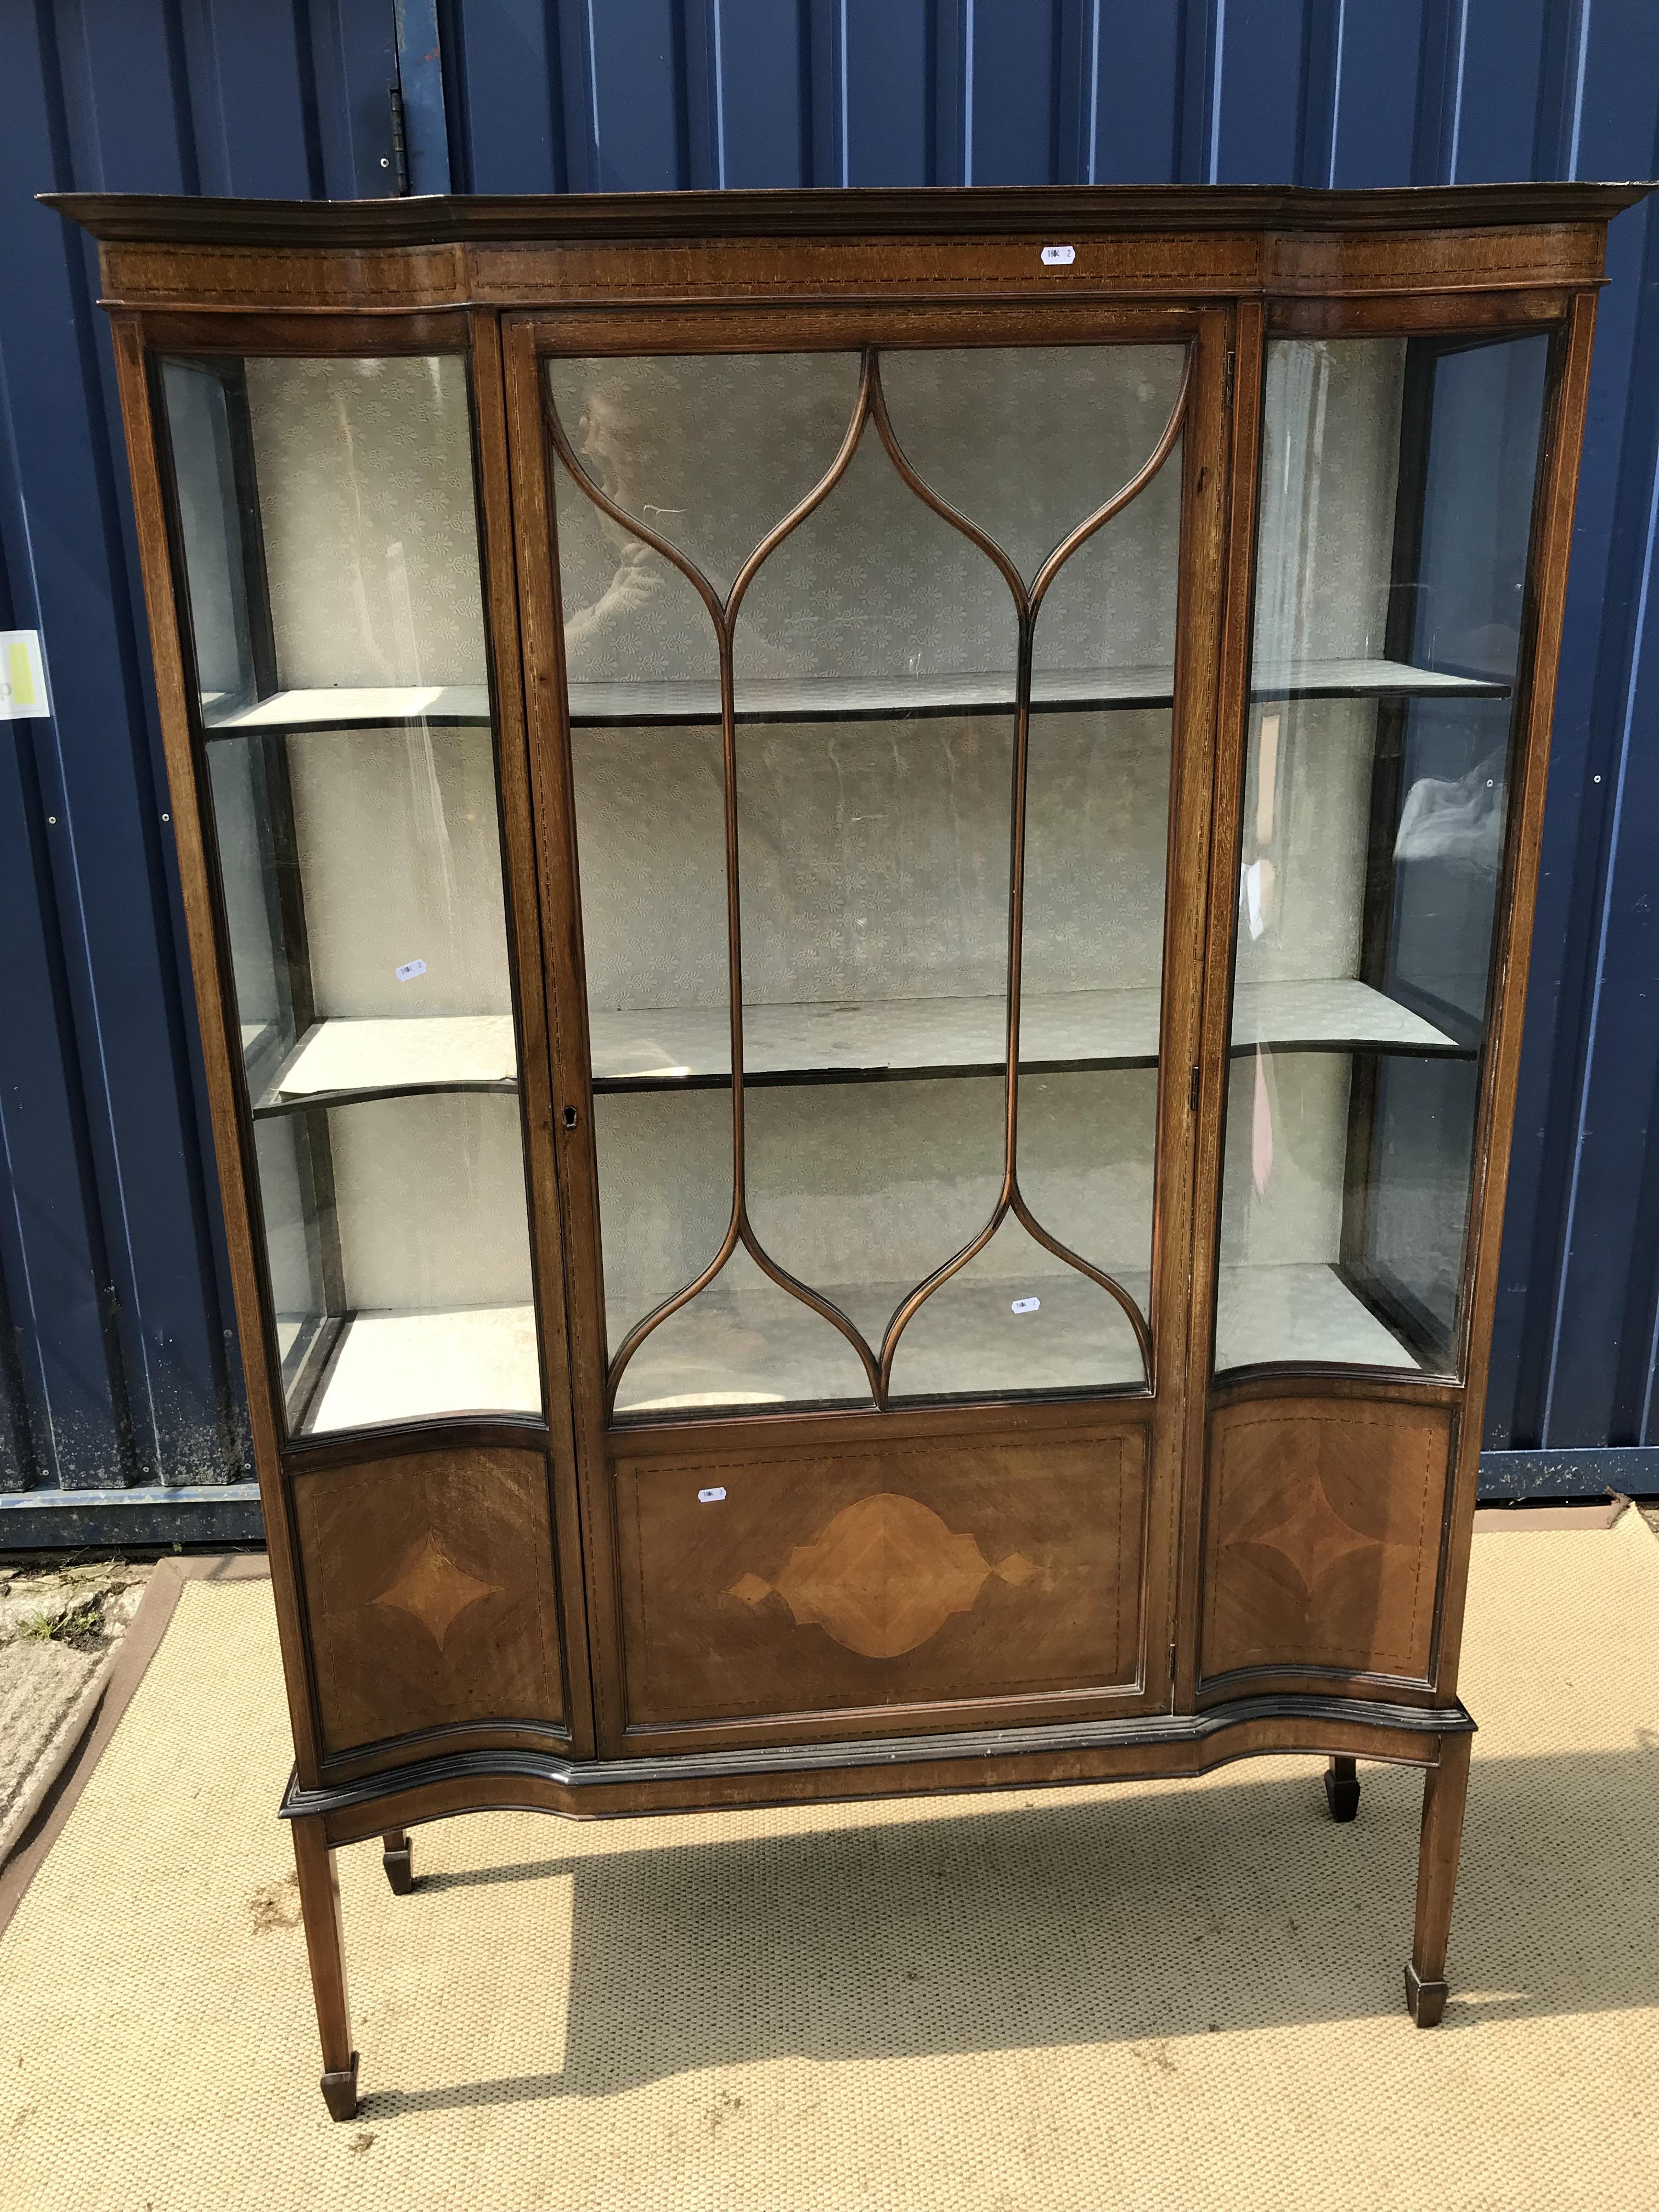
(859, 900)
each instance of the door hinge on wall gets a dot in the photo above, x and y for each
(1227, 384)
(400, 147)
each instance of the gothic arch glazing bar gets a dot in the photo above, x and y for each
(819, 1065)
(1011, 1200)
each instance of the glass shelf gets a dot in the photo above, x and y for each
(1299, 1311)
(665, 1047)
(822, 699)
(348, 707)
(763, 699)
(391, 1366)
(339, 1059)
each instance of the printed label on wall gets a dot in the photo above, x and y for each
(23, 693)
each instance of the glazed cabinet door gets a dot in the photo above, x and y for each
(1372, 878)
(863, 688)
(356, 757)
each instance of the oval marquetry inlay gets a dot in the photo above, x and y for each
(883, 1577)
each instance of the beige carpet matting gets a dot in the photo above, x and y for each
(1158, 1997)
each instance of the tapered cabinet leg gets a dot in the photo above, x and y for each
(398, 1861)
(320, 1902)
(1342, 1788)
(1444, 1793)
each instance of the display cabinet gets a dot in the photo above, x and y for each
(858, 869)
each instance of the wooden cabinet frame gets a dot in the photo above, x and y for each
(561, 1704)
(1205, 331)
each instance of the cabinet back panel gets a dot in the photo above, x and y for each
(400, 855)
(873, 858)
(430, 1593)
(870, 1580)
(866, 589)
(430, 1199)
(863, 1189)
(365, 470)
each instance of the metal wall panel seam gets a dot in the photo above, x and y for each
(845, 102)
(1458, 91)
(1336, 91)
(1584, 7)
(968, 92)
(1094, 86)
(593, 85)
(720, 98)
(1217, 50)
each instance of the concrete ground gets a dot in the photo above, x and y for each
(1157, 1995)
(60, 1622)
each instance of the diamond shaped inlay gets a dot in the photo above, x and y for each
(432, 1588)
(1308, 1544)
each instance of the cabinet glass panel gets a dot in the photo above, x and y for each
(328, 538)
(1397, 493)
(871, 662)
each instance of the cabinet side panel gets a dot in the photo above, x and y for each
(168, 658)
(430, 1594)
(1552, 547)
(1323, 1537)
(873, 1580)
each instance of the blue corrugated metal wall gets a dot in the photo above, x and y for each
(118, 1364)
(117, 1371)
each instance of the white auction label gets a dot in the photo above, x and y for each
(410, 971)
(23, 693)
(1026, 1305)
(710, 1496)
(1059, 256)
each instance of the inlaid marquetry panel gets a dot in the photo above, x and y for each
(439, 273)
(430, 1593)
(1322, 1536)
(881, 1578)
(1456, 260)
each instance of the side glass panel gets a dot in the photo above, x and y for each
(328, 533)
(1397, 491)
(871, 669)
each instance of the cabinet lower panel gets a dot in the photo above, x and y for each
(1323, 1534)
(866, 1580)
(431, 1603)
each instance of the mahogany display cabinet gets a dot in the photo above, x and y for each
(859, 868)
